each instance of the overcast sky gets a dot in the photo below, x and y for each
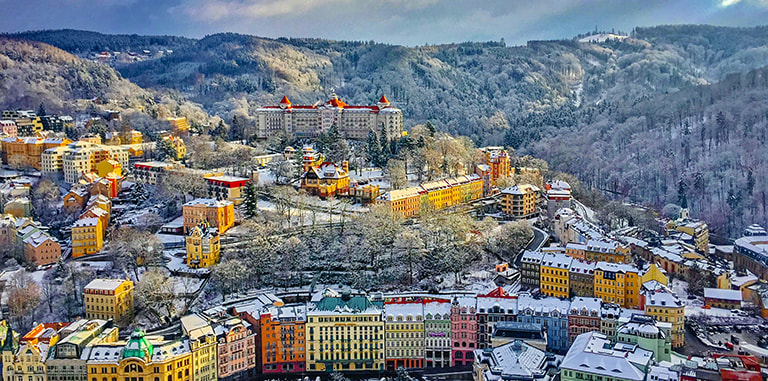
(406, 22)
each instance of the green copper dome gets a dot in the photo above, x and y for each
(138, 346)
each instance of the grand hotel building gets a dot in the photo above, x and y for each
(307, 121)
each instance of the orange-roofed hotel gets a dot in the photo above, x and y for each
(353, 121)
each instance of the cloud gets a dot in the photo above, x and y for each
(757, 3)
(215, 10)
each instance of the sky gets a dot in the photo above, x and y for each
(403, 22)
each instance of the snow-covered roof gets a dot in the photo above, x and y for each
(486, 304)
(592, 352)
(532, 257)
(437, 308)
(104, 284)
(582, 267)
(548, 305)
(86, 222)
(404, 310)
(722, 294)
(591, 305)
(209, 202)
(616, 267)
(662, 299)
(556, 260)
(515, 360)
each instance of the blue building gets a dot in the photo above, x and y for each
(551, 313)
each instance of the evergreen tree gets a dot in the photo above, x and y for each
(431, 128)
(251, 200)
(165, 149)
(41, 110)
(373, 150)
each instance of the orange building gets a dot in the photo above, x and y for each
(326, 180)
(217, 214)
(178, 124)
(283, 342)
(22, 152)
(41, 249)
(497, 159)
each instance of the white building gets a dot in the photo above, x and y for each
(306, 121)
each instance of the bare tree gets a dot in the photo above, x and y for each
(155, 294)
(132, 248)
(23, 299)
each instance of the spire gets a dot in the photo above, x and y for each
(383, 99)
(285, 100)
(8, 343)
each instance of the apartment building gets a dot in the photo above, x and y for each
(108, 299)
(404, 334)
(87, 236)
(617, 283)
(345, 332)
(216, 214)
(519, 201)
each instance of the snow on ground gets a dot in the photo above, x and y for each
(715, 312)
(170, 239)
(186, 285)
(177, 263)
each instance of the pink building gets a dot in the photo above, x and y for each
(8, 128)
(236, 349)
(463, 330)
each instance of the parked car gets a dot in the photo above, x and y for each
(729, 345)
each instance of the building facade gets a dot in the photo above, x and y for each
(216, 214)
(404, 335)
(87, 236)
(530, 269)
(345, 332)
(203, 247)
(308, 121)
(464, 329)
(584, 316)
(617, 283)
(554, 279)
(108, 299)
(437, 334)
(519, 201)
(581, 277)
(283, 338)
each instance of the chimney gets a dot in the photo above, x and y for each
(345, 166)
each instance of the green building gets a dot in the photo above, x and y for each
(647, 333)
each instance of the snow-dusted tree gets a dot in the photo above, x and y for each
(250, 201)
(228, 277)
(133, 248)
(411, 249)
(23, 299)
(155, 294)
(396, 173)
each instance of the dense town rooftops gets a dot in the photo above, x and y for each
(616, 267)
(641, 325)
(582, 267)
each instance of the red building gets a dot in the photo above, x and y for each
(227, 188)
(583, 316)
(463, 330)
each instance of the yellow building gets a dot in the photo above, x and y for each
(327, 180)
(697, 231)
(87, 236)
(653, 273)
(178, 144)
(203, 247)
(554, 276)
(109, 166)
(405, 202)
(605, 250)
(519, 201)
(141, 358)
(438, 194)
(663, 305)
(108, 299)
(344, 332)
(27, 152)
(405, 335)
(202, 343)
(29, 126)
(217, 214)
(81, 158)
(617, 283)
(178, 124)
